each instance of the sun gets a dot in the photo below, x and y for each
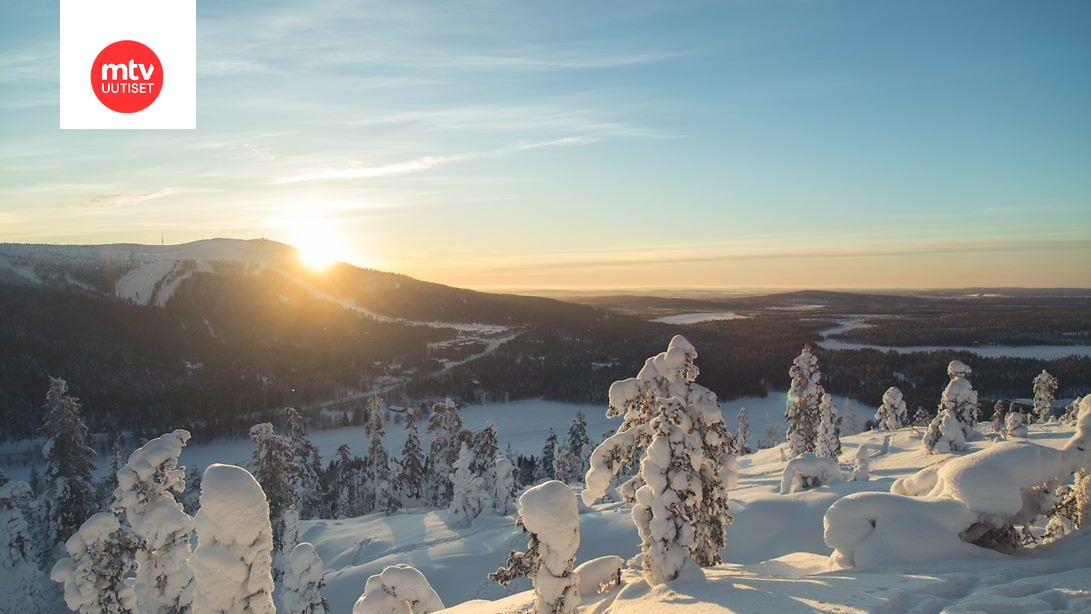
(319, 246)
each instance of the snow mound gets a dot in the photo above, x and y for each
(809, 471)
(599, 575)
(871, 528)
(399, 589)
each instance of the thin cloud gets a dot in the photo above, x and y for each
(120, 199)
(423, 163)
(670, 256)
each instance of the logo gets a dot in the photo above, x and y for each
(128, 64)
(127, 76)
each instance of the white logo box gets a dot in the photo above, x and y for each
(168, 27)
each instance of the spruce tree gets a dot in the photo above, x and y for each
(19, 572)
(742, 433)
(101, 555)
(384, 498)
(578, 443)
(804, 398)
(445, 426)
(891, 415)
(999, 417)
(411, 472)
(548, 467)
(486, 447)
(345, 495)
(148, 485)
(69, 496)
(828, 437)
(273, 466)
(470, 493)
(308, 465)
(670, 374)
(1045, 391)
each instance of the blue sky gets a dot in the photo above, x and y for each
(746, 143)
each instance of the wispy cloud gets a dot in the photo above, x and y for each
(423, 163)
(130, 198)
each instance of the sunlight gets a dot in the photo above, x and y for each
(320, 245)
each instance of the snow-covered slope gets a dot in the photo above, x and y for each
(776, 558)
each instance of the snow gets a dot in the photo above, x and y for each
(698, 317)
(232, 564)
(599, 575)
(398, 589)
(776, 556)
(809, 471)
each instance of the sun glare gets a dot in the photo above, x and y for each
(320, 246)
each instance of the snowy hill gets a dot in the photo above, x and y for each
(776, 557)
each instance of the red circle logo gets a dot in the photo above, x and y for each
(127, 76)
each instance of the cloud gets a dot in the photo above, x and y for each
(674, 255)
(423, 163)
(129, 198)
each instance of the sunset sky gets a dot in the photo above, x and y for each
(803, 143)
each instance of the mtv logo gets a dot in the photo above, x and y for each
(128, 64)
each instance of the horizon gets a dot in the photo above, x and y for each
(736, 145)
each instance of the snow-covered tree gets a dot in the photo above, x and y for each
(1070, 412)
(145, 494)
(1015, 424)
(411, 472)
(289, 539)
(69, 495)
(445, 426)
(233, 562)
(500, 480)
(19, 573)
(548, 512)
(579, 443)
(849, 424)
(666, 506)
(670, 374)
(399, 589)
(921, 417)
(999, 416)
(861, 465)
(379, 468)
(1045, 391)
(944, 434)
(344, 484)
(308, 465)
(828, 437)
(303, 582)
(100, 556)
(804, 398)
(957, 407)
(891, 415)
(273, 466)
(742, 433)
(109, 481)
(771, 434)
(485, 447)
(1082, 488)
(470, 497)
(548, 466)
(567, 466)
